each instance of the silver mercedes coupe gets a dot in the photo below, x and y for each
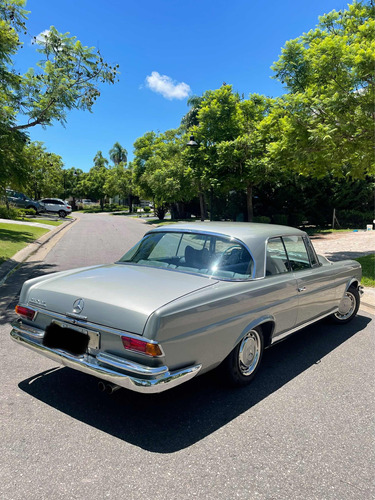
(188, 298)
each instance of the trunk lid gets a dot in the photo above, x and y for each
(120, 296)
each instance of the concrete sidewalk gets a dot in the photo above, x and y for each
(48, 239)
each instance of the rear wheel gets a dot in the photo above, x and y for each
(348, 307)
(62, 213)
(243, 362)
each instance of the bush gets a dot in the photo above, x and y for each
(22, 212)
(281, 219)
(12, 213)
(146, 209)
(262, 219)
(354, 219)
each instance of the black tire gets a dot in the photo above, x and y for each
(62, 213)
(243, 362)
(348, 307)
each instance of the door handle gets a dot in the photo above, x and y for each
(302, 289)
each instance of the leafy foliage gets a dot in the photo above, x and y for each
(326, 122)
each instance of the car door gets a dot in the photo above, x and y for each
(48, 204)
(315, 283)
(280, 287)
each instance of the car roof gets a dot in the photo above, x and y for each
(254, 235)
(244, 231)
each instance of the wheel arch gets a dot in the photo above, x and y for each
(352, 283)
(266, 324)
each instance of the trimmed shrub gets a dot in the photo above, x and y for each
(22, 212)
(281, 219)
(12, 213)
(146, 209)
(354, 219)
(262, 219)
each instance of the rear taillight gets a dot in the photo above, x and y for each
(68, 207)
(141, 346)
(25, 312)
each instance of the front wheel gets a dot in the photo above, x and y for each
(243, 362)
(62, 213)
(348, 307)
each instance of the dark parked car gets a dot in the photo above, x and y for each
(20, 200)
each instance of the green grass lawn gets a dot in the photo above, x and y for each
(14, 237)
(48, 222)
(368, 270)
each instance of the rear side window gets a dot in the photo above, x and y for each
(276, 258)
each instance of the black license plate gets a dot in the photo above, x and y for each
(67, 339)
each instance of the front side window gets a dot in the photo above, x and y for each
(193, 252)
(297, 252)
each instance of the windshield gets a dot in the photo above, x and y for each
(204, 254)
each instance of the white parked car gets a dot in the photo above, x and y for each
(55, 205)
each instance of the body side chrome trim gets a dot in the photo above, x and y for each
(293, 330)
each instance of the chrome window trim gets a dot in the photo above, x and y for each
(265, 256)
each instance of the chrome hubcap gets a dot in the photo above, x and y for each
(249, 352)
(346, 307)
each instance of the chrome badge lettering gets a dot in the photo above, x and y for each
(38, 302)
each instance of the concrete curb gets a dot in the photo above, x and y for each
(11, 265)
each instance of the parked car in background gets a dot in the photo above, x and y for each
(20, 200)
(57, 206)
(186, 299)
(82, 204)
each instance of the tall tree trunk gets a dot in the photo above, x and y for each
(201, 204)
(249, 202)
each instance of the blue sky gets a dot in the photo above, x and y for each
(167, 50)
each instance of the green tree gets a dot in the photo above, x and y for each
(119, 182)
(67, 77)
(44, 173)
(325, 124)
(93, 183)
(218, 121)
(118, 154)
(160, 172)
(243, 161)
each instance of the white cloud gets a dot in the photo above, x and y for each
(41, 38)
(168, 88)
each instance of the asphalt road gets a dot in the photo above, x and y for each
(303, 430)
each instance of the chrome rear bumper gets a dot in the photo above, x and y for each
(113, 369)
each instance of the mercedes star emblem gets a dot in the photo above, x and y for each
(78, 306)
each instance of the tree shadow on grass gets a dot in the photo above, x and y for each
(16, 236)
(178, 418)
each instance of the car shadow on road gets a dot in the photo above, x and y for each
(178, 418)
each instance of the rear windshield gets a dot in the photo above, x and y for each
(203, 254)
